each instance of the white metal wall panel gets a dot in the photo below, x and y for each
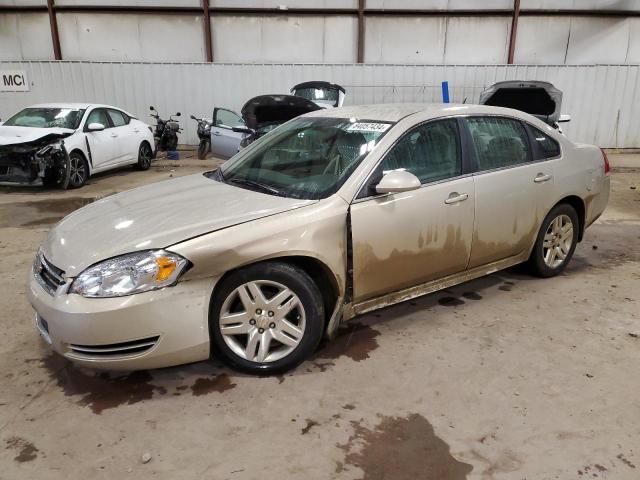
(136, 3)
(287, 3)
(598, 40)
(631, 5)
(604, 100)
(396, 39)
(441, 4)
(286, 38)
(17, 34)
(131, 37)
(477, 40)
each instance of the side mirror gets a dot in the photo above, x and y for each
(243, 130)
(151, 108)
(177, 114)
(95, 127)
(193, 118)
(564, 118)
(398, 181)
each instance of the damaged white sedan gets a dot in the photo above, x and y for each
(64, 144)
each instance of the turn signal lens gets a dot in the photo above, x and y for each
(166, 267)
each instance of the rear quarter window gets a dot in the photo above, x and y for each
(543, 145)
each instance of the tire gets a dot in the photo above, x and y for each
(78, 171)
(552, 254)
(203, 149)
(144, 156)
(278, 342)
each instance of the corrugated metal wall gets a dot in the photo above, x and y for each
(604, 100)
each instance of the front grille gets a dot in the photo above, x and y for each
(115, 349)
(48, 275)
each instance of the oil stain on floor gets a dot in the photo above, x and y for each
(26, 450)
(219, 383)
(401, 449)
(353, 340)
(102, 391)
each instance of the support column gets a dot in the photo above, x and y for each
(206, 18)
(53, 23)
(514, 30)
(361, 4)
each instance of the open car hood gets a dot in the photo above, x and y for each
(16, 135)
(540, 99)
(324, 94)
(275, 109)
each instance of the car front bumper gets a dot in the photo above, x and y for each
(154, 329)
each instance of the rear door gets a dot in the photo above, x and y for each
(224, 141)
(511, 188)
(405, 239)
(103, 148)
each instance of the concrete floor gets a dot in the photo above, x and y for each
(505, 377)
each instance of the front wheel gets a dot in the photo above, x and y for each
(78, 171)
(144, 156)
(266, 319)
(556, 242)
(203, 149)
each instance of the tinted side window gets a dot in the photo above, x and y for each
(118, 118)
(544, 145)
(430, 151)
(498, 142)
(98, 116)
(228, 119)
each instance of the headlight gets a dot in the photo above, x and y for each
(128, 274)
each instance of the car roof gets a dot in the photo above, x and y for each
(79, 106)
(394, 112)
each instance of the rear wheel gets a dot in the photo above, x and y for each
(203, 149)
(144, 156)
(266, 318)
(556, 242)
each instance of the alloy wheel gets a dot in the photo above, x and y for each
(77, 170)
(262, 321)
(557, 241)
(145, 156)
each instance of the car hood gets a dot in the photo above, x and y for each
(155, 216)
(540, 99)
(270, 109)
(15, 135)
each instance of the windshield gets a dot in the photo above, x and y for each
(46, 118)
(319, 95)
(307, 158)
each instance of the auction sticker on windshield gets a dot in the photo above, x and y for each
(368, 127)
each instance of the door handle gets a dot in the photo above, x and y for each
(217, 133)
(541, 178)
(456, 197)
(113, 135)
(136, 130)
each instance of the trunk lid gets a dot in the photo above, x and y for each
(540, 99)
(265, 110)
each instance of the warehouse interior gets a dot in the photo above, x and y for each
(501, 374)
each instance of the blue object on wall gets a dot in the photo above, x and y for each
(445, 92)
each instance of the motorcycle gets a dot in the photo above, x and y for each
(204, 134)
(166, 134)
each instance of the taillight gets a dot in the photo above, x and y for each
(607, 168)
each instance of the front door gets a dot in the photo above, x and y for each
(224, 141)
(102, 144)
(409, 238)
(509, 185)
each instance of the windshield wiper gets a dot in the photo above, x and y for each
(258, 185)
